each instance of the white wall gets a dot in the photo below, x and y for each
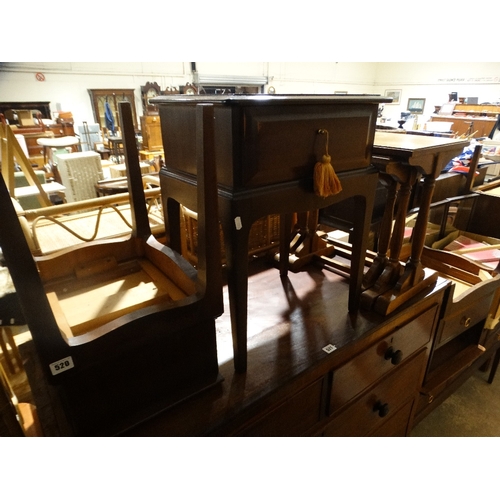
(66, 83)
(322, 78)
(435, 81)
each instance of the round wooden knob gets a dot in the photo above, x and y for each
(395, 356)
(381, 408)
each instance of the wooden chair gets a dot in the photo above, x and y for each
(122, 328)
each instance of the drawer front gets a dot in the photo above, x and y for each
(397, 425)
(366, 368)
(267, 158)
(462, 320)
(292, 418)
(381, 403)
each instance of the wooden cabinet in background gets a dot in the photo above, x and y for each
(151, 133)
(42, 106)
(99, 97)
(32, 134)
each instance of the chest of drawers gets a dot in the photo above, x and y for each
(381, 383)
(391, 398)
(369, 389)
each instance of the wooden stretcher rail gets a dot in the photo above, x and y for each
(85, 204)
(81, 305)
(52, 228)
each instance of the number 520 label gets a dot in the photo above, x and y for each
(61, 366)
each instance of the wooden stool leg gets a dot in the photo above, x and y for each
(13, 347)
(5, 351)
(14, 354)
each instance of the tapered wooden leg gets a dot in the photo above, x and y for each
(284, 247)
(237, 284)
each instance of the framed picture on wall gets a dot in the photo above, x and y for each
(416, 106)
(395, 94)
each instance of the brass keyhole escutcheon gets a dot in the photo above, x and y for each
(465, 321)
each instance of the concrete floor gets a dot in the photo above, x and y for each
(472, 411)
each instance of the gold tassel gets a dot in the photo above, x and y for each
(326, 182)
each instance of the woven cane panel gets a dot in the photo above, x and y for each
(79, 173)
(263, 236)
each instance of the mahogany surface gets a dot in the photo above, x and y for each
(291, 320)
(427, 154)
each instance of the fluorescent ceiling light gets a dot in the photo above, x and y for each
(231, 80)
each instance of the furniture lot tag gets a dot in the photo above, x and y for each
(329, 348)
(61, 366)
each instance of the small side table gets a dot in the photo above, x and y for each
(50, 143)
(111, 186)
(104, 153)
(116, 147)
(147, 155)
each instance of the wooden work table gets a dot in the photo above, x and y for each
(266, 148)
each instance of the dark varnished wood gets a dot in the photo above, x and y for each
(354, 376)
(364, 416)
(290, 321)
(265, 149)
(384, 236)
(286, 390)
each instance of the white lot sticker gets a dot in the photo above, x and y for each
(329, 348)
(61, 366)
(237, 223)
